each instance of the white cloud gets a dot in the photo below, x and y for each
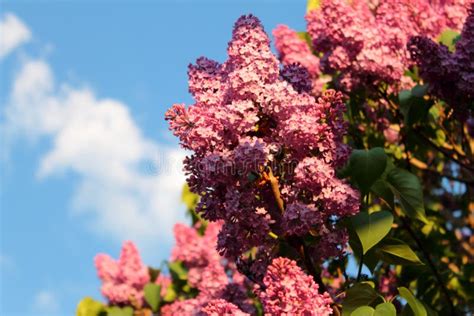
(45, 302)
(98, 140)
(13, 33)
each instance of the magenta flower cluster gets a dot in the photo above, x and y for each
(289, 291)
(300, 65)
(450, 74)
(264, 152)
(123, 279)
(286, 289)
(216, 279)
(364, 44)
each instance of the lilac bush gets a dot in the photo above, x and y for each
(328, 178)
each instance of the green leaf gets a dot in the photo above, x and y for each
(89, 307)
(154, 273)
(395, 251)
(366, 166)
(363, 311)
(415, 305)
(448, 38)
(404, 97)
(152, 295)
(440, 137)
(419, 91)
(313, 5)
(371, 228)
(406, 187)
(383, 191)
(361, 294)
(370, 258)
(178, 272)
(117, 311)
(170, 294)
(412, 104)
(385, 309)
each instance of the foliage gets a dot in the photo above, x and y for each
(293, 188)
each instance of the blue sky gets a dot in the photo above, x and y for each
(86, 158)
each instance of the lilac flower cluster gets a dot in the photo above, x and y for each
(123, 279)
(388, 284)
(301, 66)
(289, 291)
(220, 307)
(450, 75)
(264, 152)
(220, 286)
(366, 44)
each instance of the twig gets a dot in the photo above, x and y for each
(444, 152)
(423, 166)
(427, 256)
(276, 189)
(296, 242)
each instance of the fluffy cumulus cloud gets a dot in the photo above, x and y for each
(130, 184)
(13, 33)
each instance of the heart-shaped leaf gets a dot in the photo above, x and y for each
(89, 307)
(117, 311)
(178, 271)
(361, 294)
(363, 311)
(371, 228)
(366, 166)
(382, 189)
(385, 309)
(152, 295)
(406, 187)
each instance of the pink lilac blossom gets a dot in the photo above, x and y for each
(334, 284)
(331, 241)
(450, 75)
(295, 53)
(298, 76)
(454, 12)
(367, 46)
(392, 134)
(188, 307)
(248, 122)
(123, 279)
(388, 284)
(293, 49)
(198, 255)
(214, 277)
(164, 281)
(289, 291)
(220, 307)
